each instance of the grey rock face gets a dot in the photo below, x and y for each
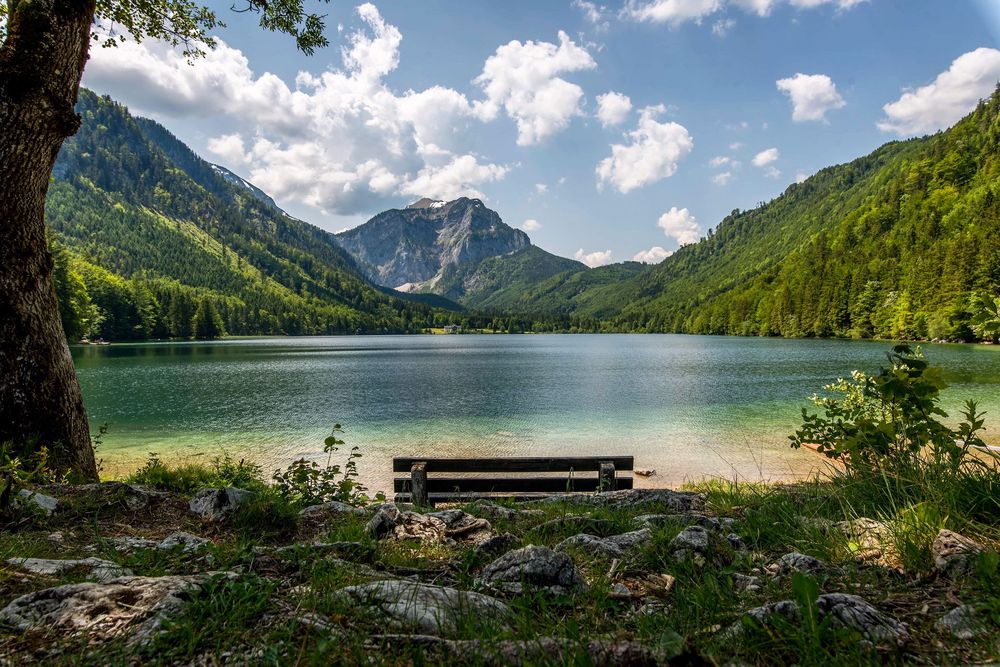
(534, 567)
(185, 541)
(962, 623)
(418, 245)
(136, 605)
(745, 583)
(99, 569)
(591, 544)
(46, 504)
(796, 562)
(692, 538)
(954, 554)
(842, 611)
(427, 608)
(496, 545)
(386, 518)
(218, 504)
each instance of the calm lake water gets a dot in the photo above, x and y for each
(688, 406)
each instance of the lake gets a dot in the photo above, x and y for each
(689, 407)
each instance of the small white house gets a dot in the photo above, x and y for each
(452, 328)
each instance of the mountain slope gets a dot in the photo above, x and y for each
(890, 245)
(154, 231)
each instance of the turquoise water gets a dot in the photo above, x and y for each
(687, 406)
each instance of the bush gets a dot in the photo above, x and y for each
(186, 478)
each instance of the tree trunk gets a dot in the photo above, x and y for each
(41, 64)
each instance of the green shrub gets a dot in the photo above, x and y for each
(306, 483)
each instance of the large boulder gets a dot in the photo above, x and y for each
(841, 611)
(794, 562)
(954, 554)
(424, 607)
(96, 568)
(130, 605)
(533, 567)
(448, 526)
(40, 502)
(963, 623)
(613, 546)
(218, 504)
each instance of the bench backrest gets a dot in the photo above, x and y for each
(479, 477)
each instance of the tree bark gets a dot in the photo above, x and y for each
(41, 64)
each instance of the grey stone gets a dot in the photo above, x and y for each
(425, 607)
(841, 611)
(744, 583)
(534, 567)
(328, 510)
(218, 504)
(185, 541)
(736, 542)
(692, 538)
(796, 562)
(962, 623)
(386, 518)
(954, 554)
(43, 503)
(448, 526)
(130, 605)
(130, 543)
(496, 545)
(591, 544)
(99, 569)
(630, 540)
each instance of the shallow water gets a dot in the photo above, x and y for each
(687, 406)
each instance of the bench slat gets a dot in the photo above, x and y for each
(504, 484)
(517, 464)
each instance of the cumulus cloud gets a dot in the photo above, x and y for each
(812, 96)
(541, 188)
(654, 255)
(596, 15)
(652, 153)
(724, 178)
(679, 225)
(772, 172)
(677, 12)
(593, 259)
(766, 157)
(954, 93)
(720, 161)
(531, 225)
(523, 80)
(341, 141)
(613, 108)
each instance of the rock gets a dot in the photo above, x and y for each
(591, 544)
(796, 562)
(736, 542)
(630, 540)
(644, 586)
(496, 511)
(962, 623)
(99, 569)
(218, 504)
(187, 542)
(515, 653)
(870, 540)
(423, 527)
(103, 611)
(462, 527)
(954, 554)
(130, 543)
(496, 545)
(331, 509)
(620, 591)
(425, 607)
(534, 567)
(743, 583)
(662, 499)
(47, 505)
(385, 519)
(692, 538)
(841, 611)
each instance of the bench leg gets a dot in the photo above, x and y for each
(418, 482)
(607, 481)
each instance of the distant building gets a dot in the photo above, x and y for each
(452, 328)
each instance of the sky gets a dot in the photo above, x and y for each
(608, 132)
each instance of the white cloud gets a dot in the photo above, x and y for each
(736, 145)
(812, 95)
(722, 27)
(652, 154)
(593, 259)
(677, 12)
(720, 161)
(723, 178)
(654, 255)
(953, 94)
(596, 15)
(772, 172)
(613, 108)
(766, 157)
(522, 79)
(341, 141)
(671, 12)
(679, 225)
(531, 225)
(801, 177)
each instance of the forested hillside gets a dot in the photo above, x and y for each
(152, 241)
(894, 245)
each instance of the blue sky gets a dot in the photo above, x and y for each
(728, 102)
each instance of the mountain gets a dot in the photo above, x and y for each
(891, 245)
(153, 241)
(459, 249)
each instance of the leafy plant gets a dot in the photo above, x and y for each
(890, 418)
(307, 483)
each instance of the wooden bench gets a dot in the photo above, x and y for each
(481, 478)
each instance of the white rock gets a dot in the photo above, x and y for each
(427, 608)
(99, 569)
